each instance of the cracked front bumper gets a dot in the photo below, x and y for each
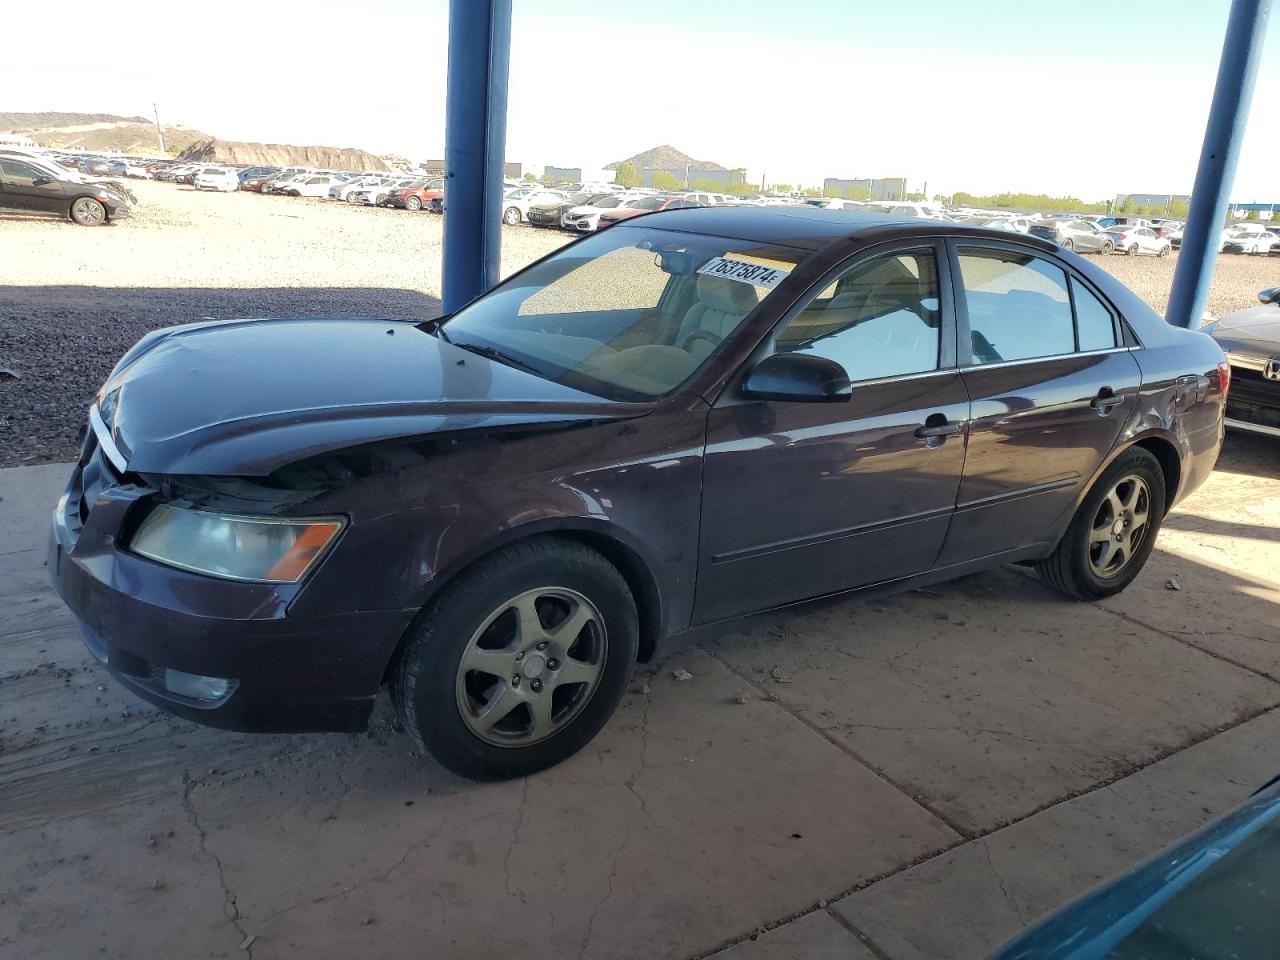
(140, 619)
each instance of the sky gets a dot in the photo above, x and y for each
(1088, 98)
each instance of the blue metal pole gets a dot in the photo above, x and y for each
(475, 146)
(1241, 51)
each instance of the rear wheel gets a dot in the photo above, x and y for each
(88, 212)
(520, 661)
(511, 216)
(1113, 531)
(413, 203)
(1132, 250)
(1068, 244)
(1108, 247)
(1164, 251)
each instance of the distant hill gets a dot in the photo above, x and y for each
(99, 131)
(107, 132)
(665, 157)
(281, 155)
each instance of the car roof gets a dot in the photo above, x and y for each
(811, 227)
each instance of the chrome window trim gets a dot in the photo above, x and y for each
(1056, 356)
(106, 441)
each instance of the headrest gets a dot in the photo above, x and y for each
(726, 296)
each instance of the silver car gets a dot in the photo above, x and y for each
(1136, 240)
(1079, 235)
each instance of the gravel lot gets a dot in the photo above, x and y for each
(75, 299)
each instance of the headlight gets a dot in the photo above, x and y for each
(238, 548)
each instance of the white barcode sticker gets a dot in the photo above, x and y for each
(743, 271)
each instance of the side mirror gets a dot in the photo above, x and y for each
(1270, 295)
(41, 181)
(800, 377)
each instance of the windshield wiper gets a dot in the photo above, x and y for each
(493, 353)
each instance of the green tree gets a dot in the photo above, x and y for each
(1254, 215)
(627, 176)
(530, 178)
(812, 192)
(781, 188)
(666, 180)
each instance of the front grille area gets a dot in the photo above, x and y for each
(1253, 398)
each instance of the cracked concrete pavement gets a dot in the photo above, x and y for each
(909, 777)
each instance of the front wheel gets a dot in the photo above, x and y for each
(413, 203)
(1113, 531)
(511, 216)
(88, 212)
(520, 661)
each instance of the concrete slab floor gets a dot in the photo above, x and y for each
(938, 769)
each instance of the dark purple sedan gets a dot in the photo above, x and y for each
(692, 416)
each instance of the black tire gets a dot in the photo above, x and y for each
(87, 212)
(1164, 251)
(1133, 250)
(412, 203)
(1108, 248)
(511, 216)
(1068, 244)
(426, 680)
(1069, 569)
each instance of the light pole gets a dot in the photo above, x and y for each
(159, 129)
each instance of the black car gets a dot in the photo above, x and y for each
(549, 214)
(1251, 339)
(691, 416)
(27, 185)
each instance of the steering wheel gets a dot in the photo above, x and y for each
(715, 338)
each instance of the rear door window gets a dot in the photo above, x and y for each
(1019, 307)
(1022, 307)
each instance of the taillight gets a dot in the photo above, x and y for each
(1224, 379)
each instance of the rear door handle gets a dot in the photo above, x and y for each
(1105, 400)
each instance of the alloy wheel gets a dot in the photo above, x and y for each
(531, 667)
(88, 212)
(1119, 527)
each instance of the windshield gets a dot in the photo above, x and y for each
(627, 314)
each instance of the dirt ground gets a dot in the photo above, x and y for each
(75, 299)
(910, 778)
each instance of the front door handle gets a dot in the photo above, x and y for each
(936, 428)
(1105, 400)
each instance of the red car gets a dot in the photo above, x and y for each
(644, 205)
(415, 197)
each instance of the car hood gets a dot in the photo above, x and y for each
(245, 397)
(1255, 330)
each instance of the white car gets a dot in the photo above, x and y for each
(317, 185)
(217, 178)
(925, 211)
(344, 190)
(1247, 238)
(1135, 240)
(586, 218)
(374, 195)
(516, 203)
